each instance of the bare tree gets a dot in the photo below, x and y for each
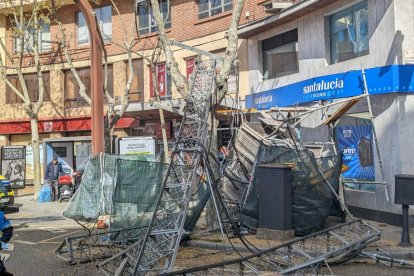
(25, 29)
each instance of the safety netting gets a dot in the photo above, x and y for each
(123, 187)
(126, 188)
(312, 197)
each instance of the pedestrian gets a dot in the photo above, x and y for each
(77, 179)
(6, 233)
(223, 154)
(53, 171)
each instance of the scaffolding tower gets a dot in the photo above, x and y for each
(155, 253)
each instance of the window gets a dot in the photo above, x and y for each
(72, 88)
(207, 8)
(349, 33)
(163, 81)
(146, 19)
(43, 39)
(32, 88)
(280, 55)
(136, 94)
(72, 95)
(104, 18)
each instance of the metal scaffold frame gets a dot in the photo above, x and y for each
(100, 245)
(301, 256)
(157, 250)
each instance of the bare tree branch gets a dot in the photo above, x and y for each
(231, 52)
(81, 85)
(41, 83)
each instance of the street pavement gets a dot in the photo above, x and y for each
(39, 230)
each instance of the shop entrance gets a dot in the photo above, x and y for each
(72, 152)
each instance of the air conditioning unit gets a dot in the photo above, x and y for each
(275, 6)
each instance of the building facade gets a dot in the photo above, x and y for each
(64, 113)
(313, 53)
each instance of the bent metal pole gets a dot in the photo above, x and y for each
(96, 77)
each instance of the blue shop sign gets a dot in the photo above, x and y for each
(380, 80)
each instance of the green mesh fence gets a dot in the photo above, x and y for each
(126, 188)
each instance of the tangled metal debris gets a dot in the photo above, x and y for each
(155, 251)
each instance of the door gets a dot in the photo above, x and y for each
(64, 152)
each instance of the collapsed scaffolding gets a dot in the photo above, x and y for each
(151, 245)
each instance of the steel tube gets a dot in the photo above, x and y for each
(97, 111)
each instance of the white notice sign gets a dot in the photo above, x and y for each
(137, 145)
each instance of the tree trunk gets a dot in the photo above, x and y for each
(36, 156)
(107, 134)
(164, 135)
(112, 137)
(211, 214)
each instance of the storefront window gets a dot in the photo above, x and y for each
(280, 55)
(349, 33)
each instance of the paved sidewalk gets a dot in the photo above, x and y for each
(390, 238)
(40, 215)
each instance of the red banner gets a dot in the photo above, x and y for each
(161, 70)
(190, 66)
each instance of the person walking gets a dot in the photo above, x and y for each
(53, 171)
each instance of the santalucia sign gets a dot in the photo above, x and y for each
(323, 86)
(380, 80)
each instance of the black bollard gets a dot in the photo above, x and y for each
(404, 195)
(405, 236)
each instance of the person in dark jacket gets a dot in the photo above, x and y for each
(53, 171)
(7, 232)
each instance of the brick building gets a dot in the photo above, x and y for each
(64, 114)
